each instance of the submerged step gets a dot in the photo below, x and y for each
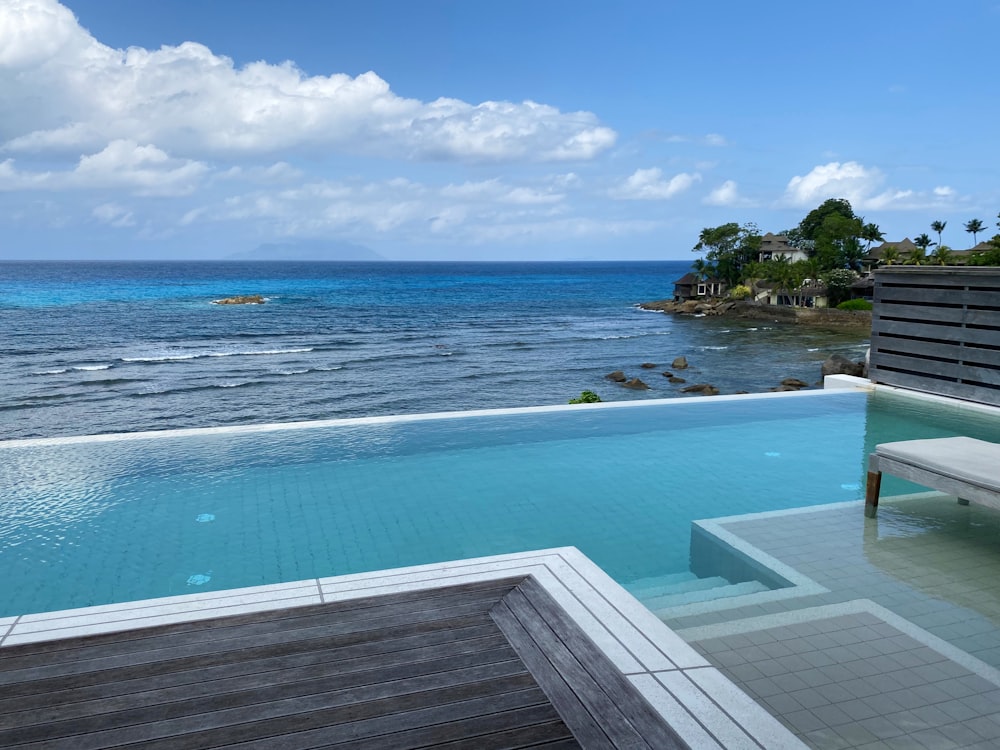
(654, 584)
(658, 604)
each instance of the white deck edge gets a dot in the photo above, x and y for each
(697, 700)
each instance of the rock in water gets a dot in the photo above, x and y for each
(705, 389)
(647, 365)
(838, 364)
(618, 376)
(680, 363)
(675, 379)
(794, 383)
(246, 299)
(636, 384)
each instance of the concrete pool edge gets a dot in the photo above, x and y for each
(701, 704)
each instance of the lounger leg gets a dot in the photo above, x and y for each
(871, 493)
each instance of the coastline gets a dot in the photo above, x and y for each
(821, 317)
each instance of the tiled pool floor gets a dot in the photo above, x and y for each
(898, 643)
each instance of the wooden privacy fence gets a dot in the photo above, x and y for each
(938, 330)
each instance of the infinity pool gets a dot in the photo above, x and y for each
(121, 518)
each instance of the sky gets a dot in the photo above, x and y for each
(485, 130)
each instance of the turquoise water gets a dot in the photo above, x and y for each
(100, 522)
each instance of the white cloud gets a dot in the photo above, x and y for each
(862, 186)
(648, 184)
(727, 194)
(144, 170)
(187, 100)
(714, 139)
(834, 180)
(114, 215)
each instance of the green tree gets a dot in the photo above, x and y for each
(838, 285)
(871, 233)
(729, 248)
(890, 255)
(835, 234)
(941, 256)
(923, 242)
(974, 227)
(916, 257)
(938, 226)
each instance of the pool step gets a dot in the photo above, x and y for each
(646, 587)
(666, 600)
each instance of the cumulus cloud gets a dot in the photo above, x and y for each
(863, 187)
(727, 194)
(144, 170)
(834, 180)
(649, 184)
(188, 100)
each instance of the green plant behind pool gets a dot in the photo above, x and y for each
(586, 397)
(855, 304)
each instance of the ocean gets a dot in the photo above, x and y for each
(89, 348)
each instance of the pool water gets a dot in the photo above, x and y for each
(106, 521)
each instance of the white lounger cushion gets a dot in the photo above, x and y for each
(975, 462)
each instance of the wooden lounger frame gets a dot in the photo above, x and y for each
(964, 491)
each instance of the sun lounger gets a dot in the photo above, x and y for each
(961, 466)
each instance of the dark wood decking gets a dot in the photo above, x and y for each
(484, 665)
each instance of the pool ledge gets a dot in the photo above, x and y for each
(703, 706)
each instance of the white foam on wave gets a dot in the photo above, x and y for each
(199, 355)
(293, 372)
(92, 368)
(235, 384)
(259, 353)
(51, 372)
(813, 349)
(712, 348)
(330, 369)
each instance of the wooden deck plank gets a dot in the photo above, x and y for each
(517, 728)
(216, 632)
(388, 642)
(302, 680)
(418, 669)
(584, 726)
(626, 717)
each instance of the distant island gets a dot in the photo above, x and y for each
(316, 250)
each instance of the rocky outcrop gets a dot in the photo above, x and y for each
(705, 389)
(636, 384)
(246, 299)
(820, 317)
(647, 365)
(617, 376)
(794, 383)
(675, 379)
(838, 364)
(680, 363)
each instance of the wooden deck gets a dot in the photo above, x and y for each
(496, 664)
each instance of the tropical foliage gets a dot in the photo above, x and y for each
(835, 241)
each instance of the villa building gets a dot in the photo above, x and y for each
(774, 246)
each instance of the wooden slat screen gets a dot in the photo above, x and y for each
(938, 330)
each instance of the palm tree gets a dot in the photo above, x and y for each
(890, 255)
(871, 233)
(923, 242)
(941, 255)
(938, 226)
(916, 257)
(974, 226)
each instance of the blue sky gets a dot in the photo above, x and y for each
(485, 130)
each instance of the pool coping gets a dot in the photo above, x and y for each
(705, 708)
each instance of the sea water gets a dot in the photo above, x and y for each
(91, 348)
